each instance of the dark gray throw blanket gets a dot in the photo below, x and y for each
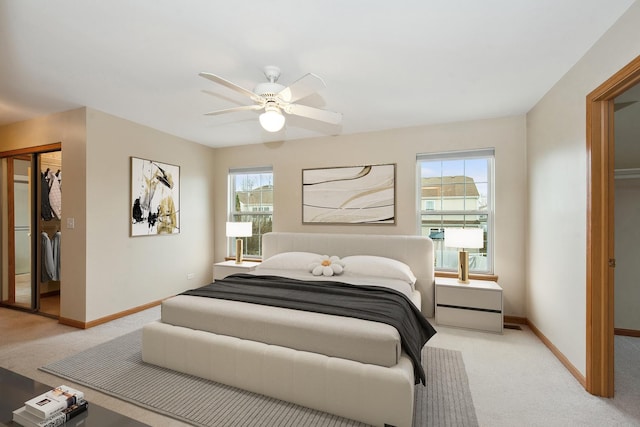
(363, 302)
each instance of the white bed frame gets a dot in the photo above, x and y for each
(368, 393)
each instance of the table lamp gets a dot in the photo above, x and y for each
(463, 238)
(239, 229)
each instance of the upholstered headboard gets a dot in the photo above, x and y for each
(415, 251)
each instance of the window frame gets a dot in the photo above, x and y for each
(486, 154)
(255, 211)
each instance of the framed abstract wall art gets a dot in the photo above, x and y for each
(349, 195)
(155, 198)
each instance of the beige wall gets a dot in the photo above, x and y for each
(506, 135)
(557, 191)
(125, 272)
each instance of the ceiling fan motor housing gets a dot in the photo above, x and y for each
(268, 89)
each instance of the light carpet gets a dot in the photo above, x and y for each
(116, 368)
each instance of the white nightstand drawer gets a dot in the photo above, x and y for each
(471, 319)
(469, 297)
(474, 305)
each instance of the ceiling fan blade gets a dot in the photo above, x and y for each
(314, 113)
(234, 109)
(304, 86)
(232, 86)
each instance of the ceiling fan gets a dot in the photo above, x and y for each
(275, 99)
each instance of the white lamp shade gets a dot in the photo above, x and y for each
(272, 120)
(464, 237)
(239, 229)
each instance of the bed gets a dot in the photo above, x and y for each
(351, 367)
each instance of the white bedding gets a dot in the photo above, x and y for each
(336, 336)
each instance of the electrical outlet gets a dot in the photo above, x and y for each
(190, 276)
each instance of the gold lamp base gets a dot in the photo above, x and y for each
(463, 266)
(238, 251)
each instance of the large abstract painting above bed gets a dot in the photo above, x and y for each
(345, 340)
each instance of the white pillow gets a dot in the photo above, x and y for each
(289, 261)
(377, 266)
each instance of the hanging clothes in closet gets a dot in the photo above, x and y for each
(55, 247)
(45, 206)
(50, 257)
(48, 266)
(51, 198)
(55, 194)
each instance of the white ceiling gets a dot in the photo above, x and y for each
(386, 64)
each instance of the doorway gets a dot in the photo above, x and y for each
(30, 206)
(600, 228)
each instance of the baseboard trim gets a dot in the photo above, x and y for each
(72, 322)
(627, 332)
(86, 325)
(561, 357)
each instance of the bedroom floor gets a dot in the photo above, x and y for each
(514, 378)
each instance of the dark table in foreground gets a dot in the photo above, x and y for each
(15, 389)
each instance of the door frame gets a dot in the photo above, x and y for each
(600, 229)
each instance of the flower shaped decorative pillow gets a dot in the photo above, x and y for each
(326, 266)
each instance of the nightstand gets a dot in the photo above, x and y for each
(226, 268)
(475, 305)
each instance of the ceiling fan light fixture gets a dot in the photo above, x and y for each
(272, 119)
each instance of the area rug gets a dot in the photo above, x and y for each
(116, 368)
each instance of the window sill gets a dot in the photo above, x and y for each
(246, 258)
(451, 274)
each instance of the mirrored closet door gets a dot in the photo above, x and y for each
(31, 208)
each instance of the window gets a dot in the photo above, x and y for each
(455, 190)
(251, 200)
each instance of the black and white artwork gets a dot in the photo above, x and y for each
(349, 195)
(155, 198)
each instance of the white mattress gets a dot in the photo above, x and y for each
(335, 336)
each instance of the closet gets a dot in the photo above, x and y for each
(30, 232)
